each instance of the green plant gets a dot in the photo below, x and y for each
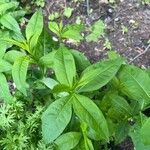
(124, 29)
(61, 100)
(107, 44)
(39, 3)
(97, 30)
(145, 2)
(54, 16)
(68, 12)
(66, 32)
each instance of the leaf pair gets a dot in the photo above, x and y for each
(57, 116)
(34, 29)
(21, 60)
(19, 72)
(67, 32)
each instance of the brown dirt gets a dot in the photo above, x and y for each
(130, 13)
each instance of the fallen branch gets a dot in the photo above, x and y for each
(147, 48)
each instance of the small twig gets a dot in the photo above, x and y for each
(147, 48)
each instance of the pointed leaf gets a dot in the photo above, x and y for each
(12, 55)
(99, 74)
(34, 28)
(136, 138)
(145, 132)
(5, 66)
(19, 72)
(56, 118)
(88, 144)
(45, 44)
(21, 44)
(3, 43)
(80, 59)
(122, 131)
(68, 140)
(49, 82)
(5, 6)
(120, 105)
(53, 26)
(64, 66)
(4, 90)
(135, 83)
(88, 112)
(10, 23)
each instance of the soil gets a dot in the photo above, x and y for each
(130, 13)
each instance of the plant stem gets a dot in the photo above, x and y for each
(88, 7)
(147, 48)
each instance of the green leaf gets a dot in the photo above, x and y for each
(68, 140)
(120, 105)
(145, 132)
(136, 138)
(45, 44)
(18, 14)
(3, 43)
(3, 48)
(64, 66)
(34, 28)
(88, 144)
(72, 32)
(49, 82)
(19, 72)
(134, 83)
(12, 55)
(61, 88)
(5, 66)
(5, 6)
(112, 54)
(98, 75)
(53, 26)
(56, 118)
(10, 23)
(122, 131)
(97, 31)
(48, 60)
(88, 112)
(68, 12)
(21, 44)
(81, 60)
(4, 89)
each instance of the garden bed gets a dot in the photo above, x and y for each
(75, 75)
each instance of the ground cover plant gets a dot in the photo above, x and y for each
(62, 101)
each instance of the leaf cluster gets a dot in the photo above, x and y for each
(62, 101)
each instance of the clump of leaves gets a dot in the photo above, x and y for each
(62, 101)
(145, 2)
(18, 129)
(68, 12)
(97, 30)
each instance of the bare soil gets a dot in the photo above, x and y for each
(130, 13)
